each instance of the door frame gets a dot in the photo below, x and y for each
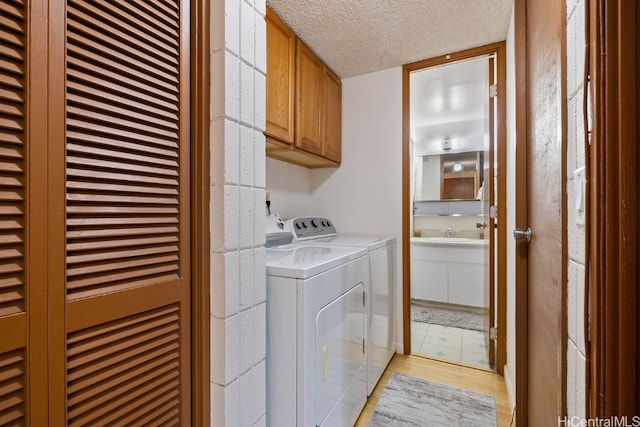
(613, 378)
(200, 215)
(501, 243)
(521, 218)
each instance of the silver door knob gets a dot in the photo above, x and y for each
(520, 234)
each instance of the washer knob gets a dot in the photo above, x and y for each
(313, 223)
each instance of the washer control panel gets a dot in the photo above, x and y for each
(311, 227)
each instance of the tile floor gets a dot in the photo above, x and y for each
(449, 343)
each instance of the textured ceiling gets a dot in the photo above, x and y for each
(450, 102)
(355, 37)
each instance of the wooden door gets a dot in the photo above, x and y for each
(281, 55)
(94, 246)
(489, 198)
(309, 100)
(23, 280)
(332, 143)
(541, 295)
(127, 286)
(497, 49)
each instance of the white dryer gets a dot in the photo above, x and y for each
(316, 320)
(381, 337)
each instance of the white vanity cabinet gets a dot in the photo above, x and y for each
(429, 280)
(448, 271)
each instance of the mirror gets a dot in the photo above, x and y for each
(445, 177)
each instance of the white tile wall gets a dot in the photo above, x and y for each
(576, 244)
(238, 287)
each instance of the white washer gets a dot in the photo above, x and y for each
(316, 323)
(381, 294)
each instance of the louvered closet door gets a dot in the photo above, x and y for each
(19, 296)
(127, 218)
(13, 304)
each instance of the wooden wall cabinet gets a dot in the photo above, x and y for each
(332, 144)
(304, 101)
(281, 56)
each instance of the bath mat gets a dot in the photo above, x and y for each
(410, 401)
(445, 317)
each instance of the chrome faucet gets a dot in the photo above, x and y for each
(450, 233)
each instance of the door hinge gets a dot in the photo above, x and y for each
(362, 345)
(363, 298)
(493, 333)
(493, 212)
(493, 90)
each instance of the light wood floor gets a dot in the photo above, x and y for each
(478, 380)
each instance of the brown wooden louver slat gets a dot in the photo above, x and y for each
(122, 158)
(13, 292)
(125, 370)
(12, 370)
(12, 165)
(127, 350)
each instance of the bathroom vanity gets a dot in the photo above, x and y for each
(448, 270)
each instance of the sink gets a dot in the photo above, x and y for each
(449, 239)
(453, 241)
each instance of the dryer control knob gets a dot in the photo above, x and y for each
(313, 222)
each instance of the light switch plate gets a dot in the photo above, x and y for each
(579, 181)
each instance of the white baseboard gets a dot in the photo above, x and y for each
(510, 387)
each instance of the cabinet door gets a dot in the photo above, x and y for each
(466, 284)
(332, 116)
(309, 100)
(429, 280)
(281, 45)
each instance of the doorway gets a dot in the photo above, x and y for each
(453, 151)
